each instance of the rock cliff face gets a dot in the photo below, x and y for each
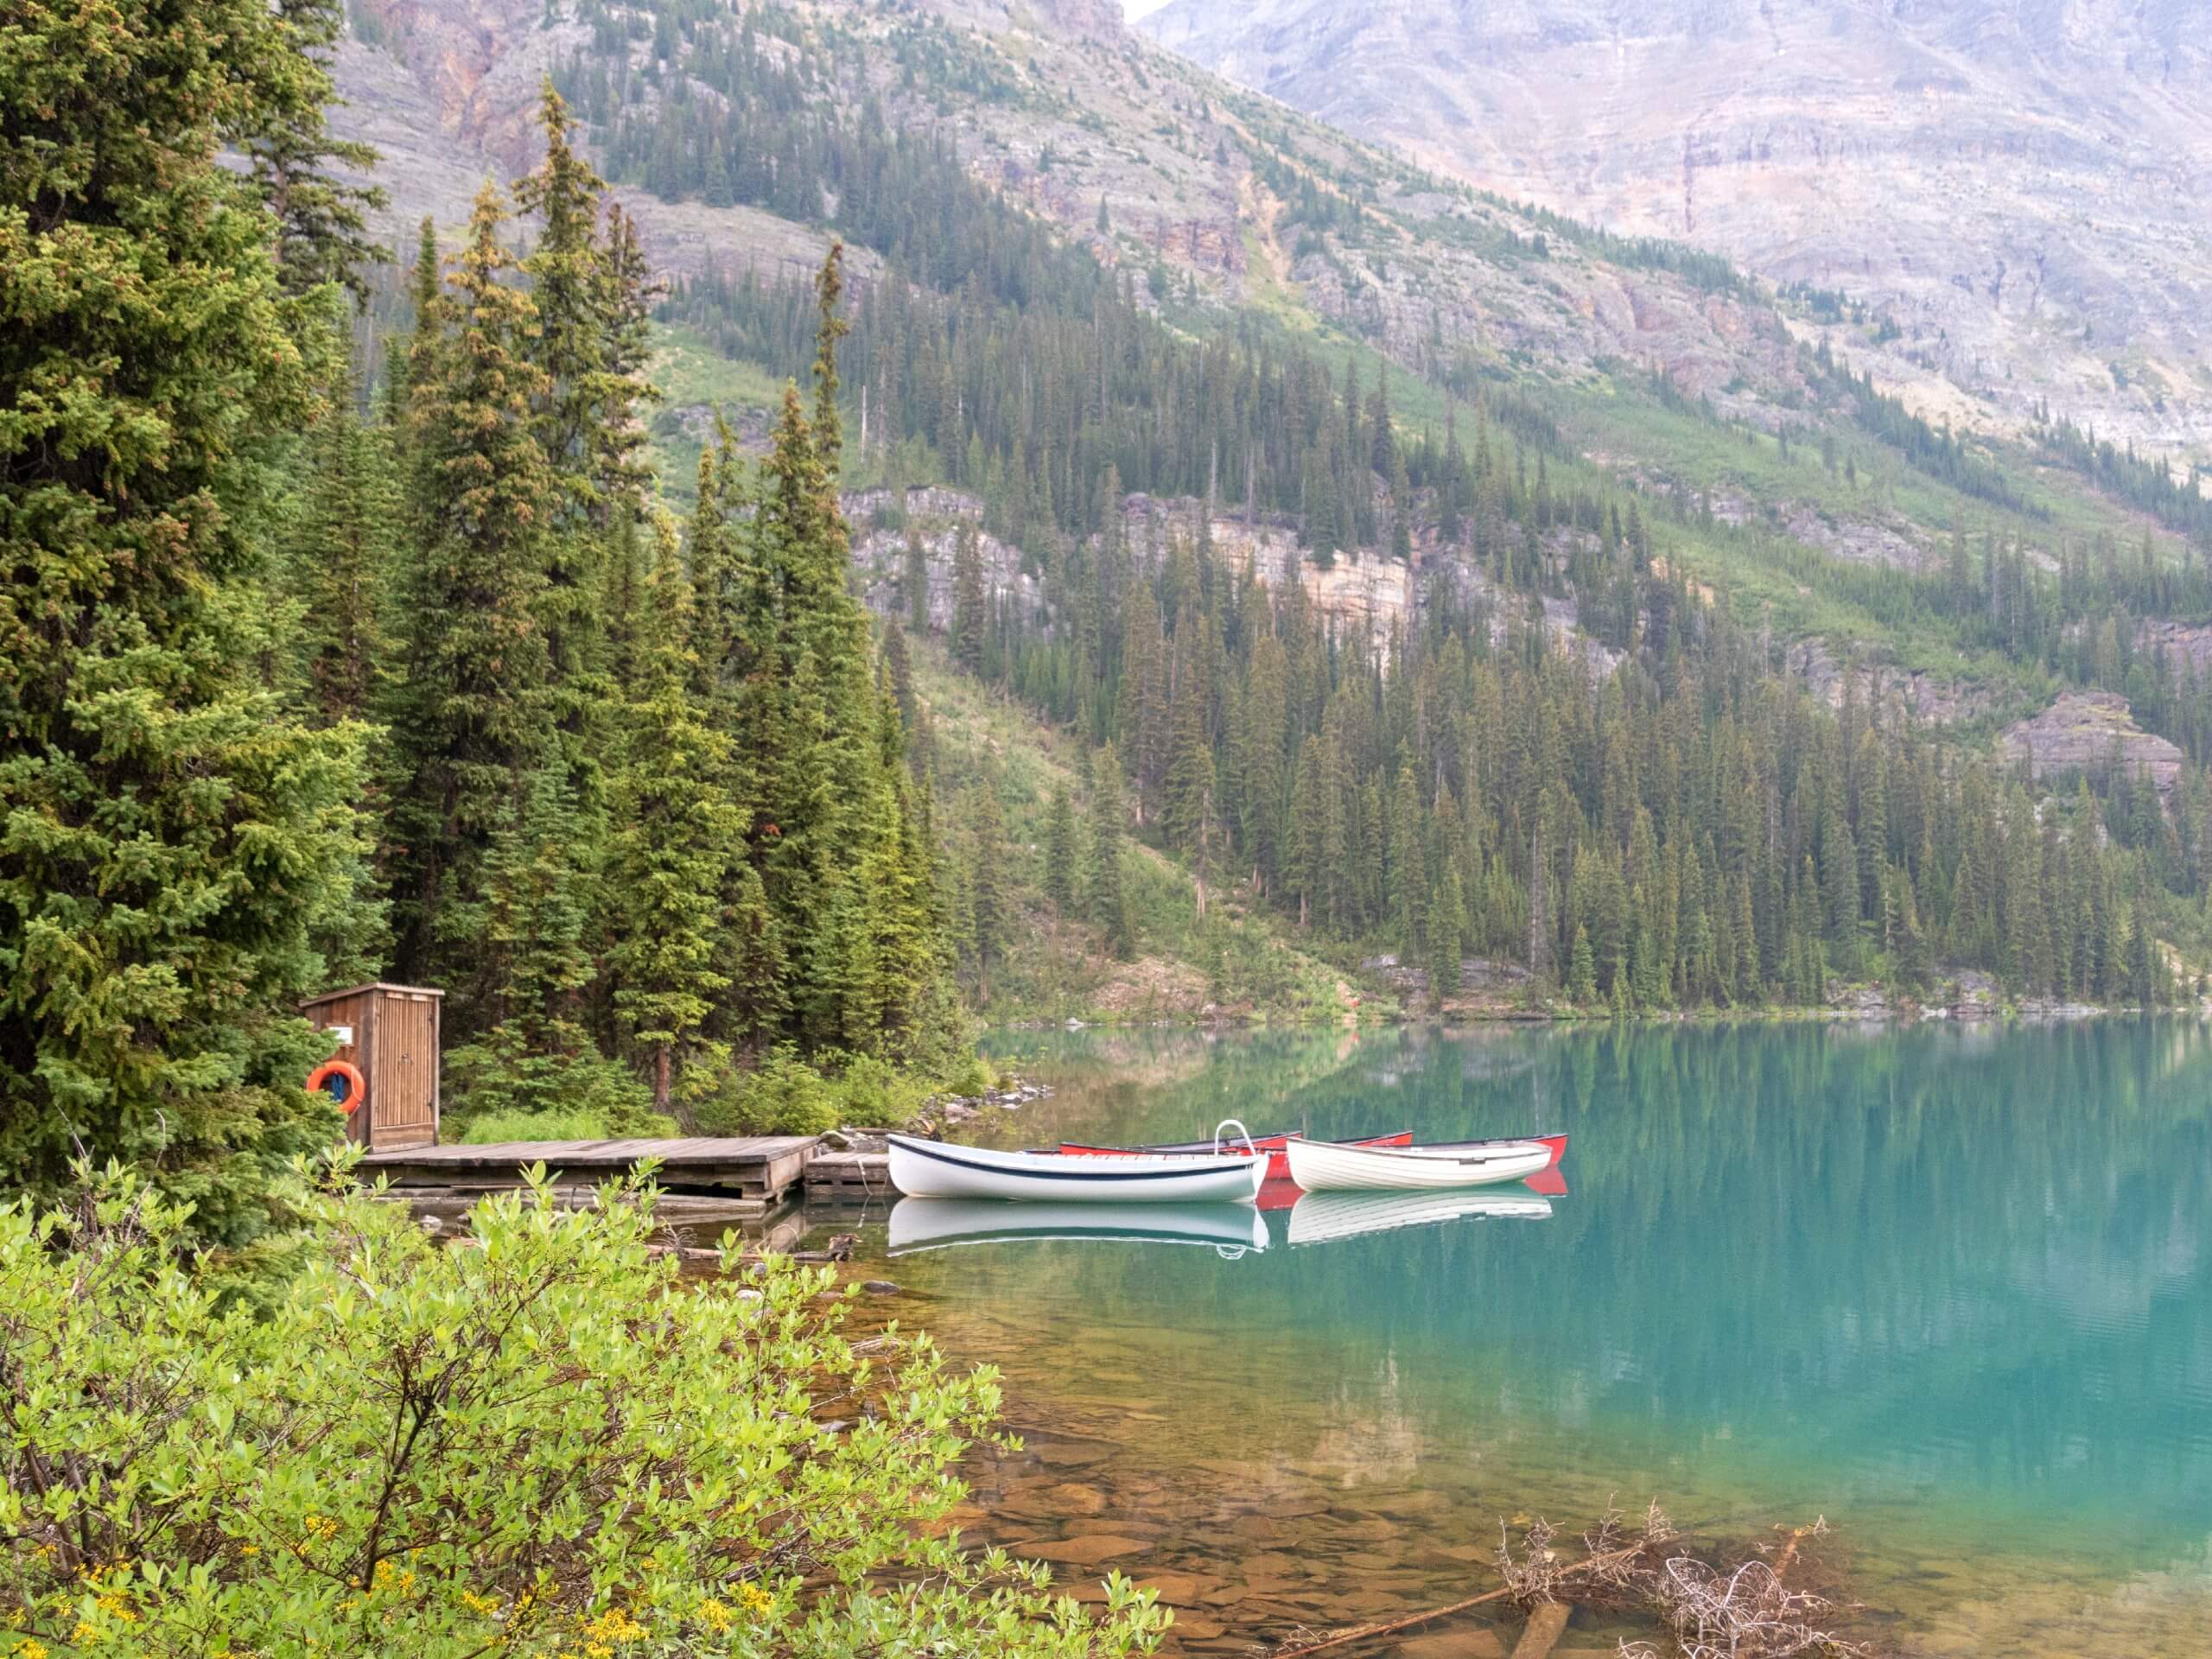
(2021, 185)
(1359, 595)
(448, 96)
(2092, 732)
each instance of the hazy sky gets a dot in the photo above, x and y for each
(1138, 8)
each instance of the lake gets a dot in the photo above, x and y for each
(1950, 1289)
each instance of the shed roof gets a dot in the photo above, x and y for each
(373, 985)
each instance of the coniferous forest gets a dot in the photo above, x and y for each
(324, 666)
(297, 694)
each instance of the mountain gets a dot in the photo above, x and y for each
(2020, 186)
(1032, 160)
(1436, 574)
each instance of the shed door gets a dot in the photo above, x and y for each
(403, 1081)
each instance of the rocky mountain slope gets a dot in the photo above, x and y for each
(1635, 365)
(2022, 186)
(1065, 112)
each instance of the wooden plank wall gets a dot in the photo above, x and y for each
(355, 1011)
(403, 1082)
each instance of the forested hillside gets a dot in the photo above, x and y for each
(1305, 579)
(440, 694)
(1567, 746)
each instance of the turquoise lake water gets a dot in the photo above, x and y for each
(1951, 1289)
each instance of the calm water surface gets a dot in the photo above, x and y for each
(1951, 1289)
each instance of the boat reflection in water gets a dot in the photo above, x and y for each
(940, 1223)
(1319, 1218)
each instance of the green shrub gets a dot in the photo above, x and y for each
(580, 1124)
(782, 1094)
(486, 1082)
(975, 1077)
(540, 1444)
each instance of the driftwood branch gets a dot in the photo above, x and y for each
(1743, 1613)
(1503, 1592)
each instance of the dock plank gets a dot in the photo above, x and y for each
(611, 1154)
(759, 1167)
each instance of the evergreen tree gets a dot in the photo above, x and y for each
(174, 840)
(989, 889)
(970, 613)
(532, 929)
(1059, 852)
(343, 557)
(1189, 786)
(898, 673)
(1105, 891)
(677, 837)
(1582, 970)
(1445, 906)
(1408, 865)
(322, 227)
(467, 712)
(914, 582)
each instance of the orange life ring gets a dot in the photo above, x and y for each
(357, 1086)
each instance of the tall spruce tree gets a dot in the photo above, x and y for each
(467, 710)
(971, 610)
(342, 558)
(990, 899)
(320, 214)
(1105, 883)
(529, 1050)
(677, 835)
(172, 842)
(1060, 852)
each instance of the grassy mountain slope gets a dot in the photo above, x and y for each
(1020, 189)
(1667, 371)
(1236, 964)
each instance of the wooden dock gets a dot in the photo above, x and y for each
(751, 1173)
(857, 1175)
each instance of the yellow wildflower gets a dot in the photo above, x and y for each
(754, 1600)
(611, 1629)
(713, 1615)
(31, 1650)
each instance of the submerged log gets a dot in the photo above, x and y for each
(1545, 1627)
(1390, 1627)
(1742, 1611)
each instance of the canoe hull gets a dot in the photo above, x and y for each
(928, 1169)
(1270, 1147)
(1320, 1168)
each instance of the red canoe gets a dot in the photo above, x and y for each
(1272, 1145)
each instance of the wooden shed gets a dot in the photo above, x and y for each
(389, 1034)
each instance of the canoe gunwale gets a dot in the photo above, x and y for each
(983, 1172)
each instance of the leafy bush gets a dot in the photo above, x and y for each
(532, 1442)
(489, 1079)
(785, 1095)
(577, 1124)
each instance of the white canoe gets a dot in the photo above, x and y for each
(930, 1169)
(940, 1223)
(1319, 1218)
(1320, 1167)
